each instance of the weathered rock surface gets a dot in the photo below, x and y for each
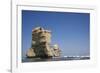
(41, 40)
(30, 53)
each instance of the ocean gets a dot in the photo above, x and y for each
(25, 59)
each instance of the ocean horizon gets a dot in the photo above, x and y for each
(25, 59)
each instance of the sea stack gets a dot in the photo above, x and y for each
(41, 45)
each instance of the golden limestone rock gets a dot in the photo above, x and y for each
(40, 47)
(30, 53)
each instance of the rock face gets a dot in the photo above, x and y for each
(30, 53)
(56, 51)
(40, 47)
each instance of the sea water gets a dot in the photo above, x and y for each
(25, 59)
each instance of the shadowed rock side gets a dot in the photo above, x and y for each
(40, 47)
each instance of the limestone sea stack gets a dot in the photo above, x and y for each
(41, 45)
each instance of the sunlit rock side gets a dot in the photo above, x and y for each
(40, 47)
(30, 53)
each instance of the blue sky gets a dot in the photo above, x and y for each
(69, 30)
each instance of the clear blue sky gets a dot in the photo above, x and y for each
(69, 30)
